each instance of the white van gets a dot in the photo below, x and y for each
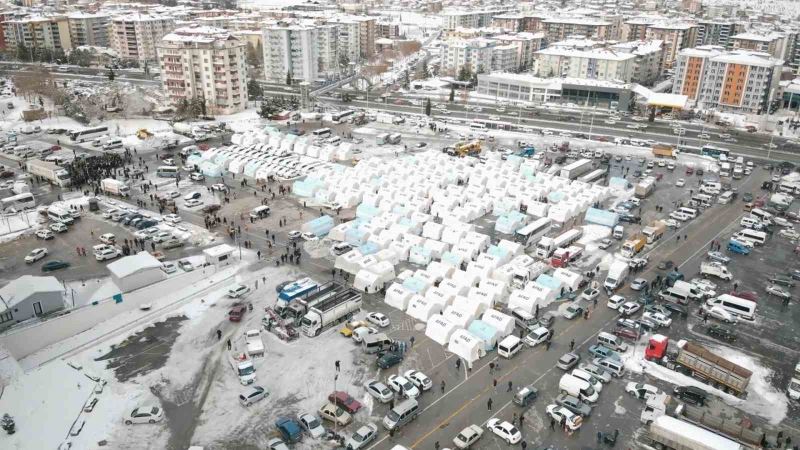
(739, 307)
(576, 387)
(725, 198)
(524, 319)
(612, 366)
(509, 347)
(619, 232)
(401, 414)
(757, 237)
(259, 212)
(762, 215)
(112, 144)
(750, 222)
(612, 341)
(57, 214)
(596, 384)
(692, 213)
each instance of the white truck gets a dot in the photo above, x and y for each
(715, 269)
(115, 187)
(616, 275)
(255, 346)
(49, 171)
(183, 128)
(243, 367)
(523, 274)
(388, 118)
(330, 312)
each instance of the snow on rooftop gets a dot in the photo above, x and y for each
(129, 265)
(577, 21)
(206, 34)
(589, 54)
(26, 286)
(750, 36)
(747, 58)
(219, 250)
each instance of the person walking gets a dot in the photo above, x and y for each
(436, 445)
(489, 404)
(494, 384)
(572, 345)
(229, 344)
(337, 365)
(552, 424)
(458, 363)
(510, 386)
(524, 445)
(219, 335)
(443, 386)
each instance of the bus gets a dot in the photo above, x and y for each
(18, 202)
(341, 116)
(167, 172)
(88, 134)
(477, 126)
(532, 232)
(715, 152)
(321, 133)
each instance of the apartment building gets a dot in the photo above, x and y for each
(38, 32)
(135, 36)
(389, 30)
(308, 52)
(594, 64)
(474, 54)
(739, 81)
(647, 62)
(775, 43)
(204, 63)
(89, 29)
(515, 22)
(526, 45)
(717, 32)
(349, 37)
(558, 29)
(676, 37)
(367, 30)
(471, 19)
(635, 28)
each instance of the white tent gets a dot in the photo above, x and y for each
(420, 255)
(460, 318)
(432, 230)
(439, 296)
(479, 271)
(465, 279)
(542, 294)
(522, 300)
(454, 288)
(397, 297)
(504, 273)
(402, 249)
(568, 278)
(423, 309)
(436, 248)
(387, 255)
(513, 248)
(367, 281)
(497, 288)
(481, 296)
(349, 262)
(490, 261)
(466, 346)
(502, 322)
(472, 307)
(440, 270)
(440, 329)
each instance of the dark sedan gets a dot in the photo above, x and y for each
(54, 265)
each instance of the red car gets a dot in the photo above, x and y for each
(237, 312)
(747, 295)
(345, 401)
(689, 171)
(626, 333)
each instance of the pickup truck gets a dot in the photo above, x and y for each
(255, 346)
(242, 366)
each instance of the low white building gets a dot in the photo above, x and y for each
(136, 271)
(29, 296)
(220, 255)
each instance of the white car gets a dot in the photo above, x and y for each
(615, 301)
(172, 218)
(294, 235)
(572, 420)
(312, 425)
(672, 223)
(309, 237)
(468, 436)
(147, 233)
(362, 437)
(107, 253)
(45, 234)
(789, 233)
(162, 236)
(35, 255)
(145, 414)
(605, 243)
(192, 195)
(402, 386)
(590, 294)
(657, 318)
(677, 215)
(109, 212)
(378, 319)
(640, 390)
(629, 308)
(420, 380)
(219, 187)
(379, 391)
(186, 265)
(719, 313)
(638, 284)
(196, 176)
(252, 395)
(771, 290)
(505, 430)
(192, 203)
(169, 267)
(680, 182)
(172, 194)
(361, 332)
(58, 227)
(238, 291)
(108, 238)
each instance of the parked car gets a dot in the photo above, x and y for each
(252, 395)
(344, 400)
(691, 394)
(311, 424)
(144, 414)
(58, 227)
(335, 413)
(403, 386)
(45, 234)
(590, 294)
(718, 257)
(35, 255)
(389, 359)
(379, 391)
(559, 413)
(362, 437)
(572, 311)
(378, 319)
(504, 430)
(629, 308)
(781, 280)
(719, 313)
(639, 284)
(596, 372)
(468, 436)
(108, 238)
(778, 292)
(420, 380)
(185, 265)
(640, 390)
(574, 405)
(657, 318)
(568, 361)
(720, 332)
(615, 301)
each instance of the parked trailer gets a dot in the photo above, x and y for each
(699, 362)
(546, 246)
(49, 171)
(645, 187)
(576, 169)
(334, 310)
(301, 305)
(115, 187)
(593, 176)
(666, 432)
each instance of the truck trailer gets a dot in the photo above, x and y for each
(335, 309)
(49, 171)
(669, 433)
(645, 187)
(576, 169)
(633, 246)
(546, 246)
(698, 362)
(115, 187)
(654, 231)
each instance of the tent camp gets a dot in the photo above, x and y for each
(439, 296)
(497, 288)
(349, 262)
(471, 307)
(439, 329)
(481, 296)
(503, 323)
(423, 309)
(488, 334)
(452, 259)
(466, 346)
(415, 285)
(568, 278)
(521, 300)
(397, 296)
(440, 270)
(420, 255)
(459, 318)
(454, 288)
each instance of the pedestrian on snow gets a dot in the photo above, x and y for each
(494, 383)
(436, 444)
(547, 345)
(552, 423)
(491, 367)
(458, 363)
(337, 364)
(524, 445)
(229, 344)
(443, 386)
(219, 335)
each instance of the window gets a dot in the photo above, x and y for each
(6, 317)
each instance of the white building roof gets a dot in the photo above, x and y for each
(639, 47)
(577, 21)
(747, 58)
(129, 265)
(588, 54)
(25, 286)
(219, 250)
(202, 34)
(769, 37)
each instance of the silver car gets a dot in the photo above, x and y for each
(380, 391)
(362, 437)
(252, 395)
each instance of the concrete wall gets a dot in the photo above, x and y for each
(26, 340)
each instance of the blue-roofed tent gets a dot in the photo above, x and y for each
(320, 226)
(485, 332)
(619, 183)
(416, 285)
(369, 248)
(601, 217)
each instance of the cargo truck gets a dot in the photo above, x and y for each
(49, 171)
(715, 269)
(330, 312)
(295, 290)
(300, 305)
(115, 187)
(633, 246)
(522, 275)
(255, 346)
(669, 433)
(547, 245)
(563, 256)
(654, 232)
(698, 362)
(662, 150)
(645, 187)
(243, 367)
(576, 169)
(382, 138)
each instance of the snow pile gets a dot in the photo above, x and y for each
(14, 225)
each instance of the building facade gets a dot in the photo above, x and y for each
(595, 64)
(305, 52)
(647, 62)
(34, 33)
(676, 37)
(205, 63)
(558, 29)
(716, 32)
(135, 36)
(89, 29)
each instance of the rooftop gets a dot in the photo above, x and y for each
(129, 265)
(25, 286)
(589, 54)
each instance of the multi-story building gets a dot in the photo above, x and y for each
(134, 36)
(39, 32)
(349, 38)
(647, 64)
(739, 81)
(366, 36)
(471, 19)
(390, 30)
(595, 64)
(306, 52)
(635, 28)
(474, 54)
(774, 43)
(89, 29)
(526, 44)
(676, 37)
(558, 29)
(716, 32)
(206, 64)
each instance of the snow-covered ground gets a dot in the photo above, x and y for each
(14, 225)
